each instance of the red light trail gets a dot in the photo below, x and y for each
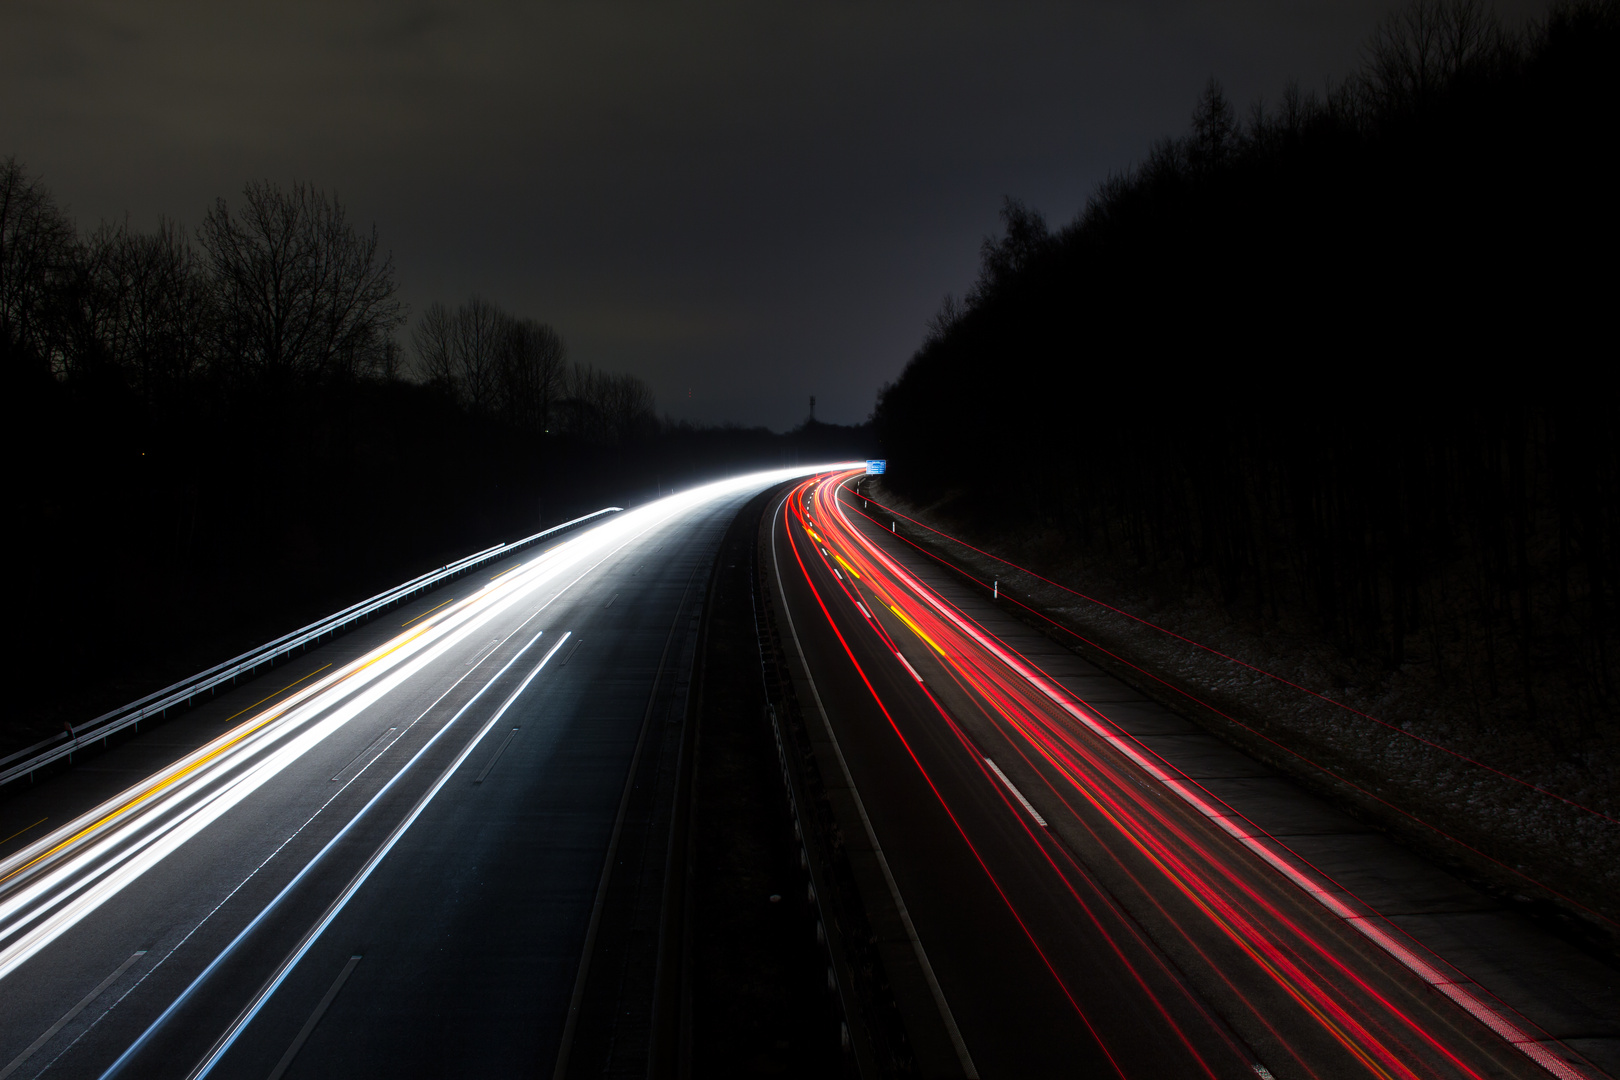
(1259, 923)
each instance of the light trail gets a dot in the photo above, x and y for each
(286, 890)
(1330, 894)
(1230, 880)
(1278, 744)
(1394, 729)
(225, 1041)
(49, 886)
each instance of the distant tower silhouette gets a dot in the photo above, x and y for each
(812, 408)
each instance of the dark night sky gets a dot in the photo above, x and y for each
(753, 202)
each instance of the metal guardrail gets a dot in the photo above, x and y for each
(27, 761)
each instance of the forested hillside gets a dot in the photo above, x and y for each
(1340, 365)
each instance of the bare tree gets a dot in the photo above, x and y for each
(1000, 261)
(580, 408)
(36, 261)
(942, 322)
(463, 351)
(608, 409)
(145, 304)
(492, 362)
(1419, 49)
(535, 367)
(480, 333)
(433, 338)
(301, 294)
(631, 408)
(1215, 130)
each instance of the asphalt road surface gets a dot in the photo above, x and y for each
(389, 857)
(389, 861)
(1081, 915)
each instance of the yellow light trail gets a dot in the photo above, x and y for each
(179, 774)
(62, 891)
(915, 629)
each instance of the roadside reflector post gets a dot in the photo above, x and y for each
(995, 590)
(891, 524)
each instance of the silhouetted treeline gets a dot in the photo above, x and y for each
(219, 435)
(1340, 364)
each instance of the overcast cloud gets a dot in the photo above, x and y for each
(749, 203)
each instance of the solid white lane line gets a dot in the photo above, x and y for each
(69, 1015)
(1019, 795)
(304, 872)
(496, 756)
(959, 1044)
(314, 1018)
(366, 755)
(206, 1065)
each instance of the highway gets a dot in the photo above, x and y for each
(1083, 911)
(435, 846)
(391, 860)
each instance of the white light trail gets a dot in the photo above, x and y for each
(63, 877)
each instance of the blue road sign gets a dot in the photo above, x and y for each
(876, 466)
